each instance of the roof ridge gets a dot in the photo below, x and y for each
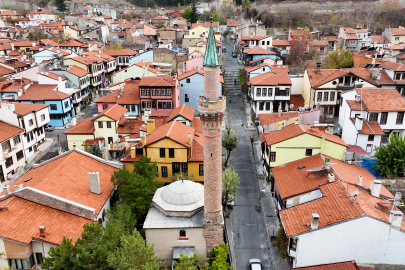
(369, 127)
(170, 129)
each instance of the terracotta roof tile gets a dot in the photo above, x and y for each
(382, 99)
(124, 52)
(397, 31)
(318, 43)
(255, 37)
(79, 72)
(114, 112)
(129, 96)
(370, 127)
(174, 130)
(335, 206)
(380, 39)
(197, 150)
(272, 118)
(297, 101)
(24, 108)
(293, 130)
(259, 51)
(281, 43)
(84, 126)
(250, 69)
(197, 124)
(5, 71)
(351, 36)
(354, 105)
(277, 76)
(162, 81)
(42, 92)
(183, 110)
(130, 126)
(52, 75)
(23, 218)
(67, 177)
(8, 131)
(234, 22)
(393, 66)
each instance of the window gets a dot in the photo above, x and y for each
(110, 140)
(66, 104)
(159, 105)
(369, 148)
(270, 92)
(16, 139)
(396, 38)
(158, 92)
(182, 233)
(164, 105)
(142, 91)
(39, 258)
(261, 104)
(319, 96)
(162, 152)
(201, 169)
(370, 138)
(171, 152)
(332, 96)
(6, 145)
(293, 244)
(153, 91)
(20, 155)
(163, 92)
(398, 75)
(105, 106)
(147, 91)
(264, 93)
(168, 92)
(186, 99)
(143, 104)
(108, 124)
(322, 48)
(148, 104)
(169, 105)
(400, 118)
(18, 263)
(100, 124)
(258, 92)
(272, 156)
(164, 171)
(9, 162)
(325, 96)
(187, 80)
(267, 106)
(31, 260)
(373, 117)
(184, 167)
(54, 107)
(308, 152)
(383, 119)
(42, 117)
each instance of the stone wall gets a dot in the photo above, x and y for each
(396, 184)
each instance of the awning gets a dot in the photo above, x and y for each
(356, 149)
(189, 251)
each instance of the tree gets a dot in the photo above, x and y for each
(191, 13)
(135, 188)
(390, 156)
(340, 58)
(60, 258)
(187, 13)
(188, 263)
(229, 142)
(182, 176)
(95, 150)
(243, 81)
(60, 5)
(282, 242)
(230, 182)
(114, 47)
(133, 253)
(215, 17)
(37, 35)
(221, 255)
(4, 257)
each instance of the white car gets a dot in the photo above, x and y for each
(255, 264)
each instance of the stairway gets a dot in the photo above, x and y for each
(230, 77)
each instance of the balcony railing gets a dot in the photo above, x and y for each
(345, 85)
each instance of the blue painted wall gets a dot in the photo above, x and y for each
(15, 95)
(143, 56)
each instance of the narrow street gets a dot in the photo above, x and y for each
(252, 221)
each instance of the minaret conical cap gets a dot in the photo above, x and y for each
(211, 55)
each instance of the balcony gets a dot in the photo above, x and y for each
(345, 86)
(8, 153)
(211, 107)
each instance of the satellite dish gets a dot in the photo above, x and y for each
(115, 145)
(291, 106)
(122, 145)
(118, 139)
(397, 198)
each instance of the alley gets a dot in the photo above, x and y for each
(249, 235)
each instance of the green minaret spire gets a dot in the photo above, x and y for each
(211, 55)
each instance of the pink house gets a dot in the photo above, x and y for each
(107, 20)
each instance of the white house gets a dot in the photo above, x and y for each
(11, 152)
(259, 41)
(347, 223)
(270, 90)
(368, 116)
(32, 118)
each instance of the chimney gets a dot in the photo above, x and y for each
(331, 177)
(373, 62)
(143, 140)
(18, 187)
(150, 126)
(358, 98)
(105, 153)
(359, 122)
(360, 181)
(395, 218)
(74, 146)
(94, 179)
(42, 231)
(6, 190)
(314, 221)
(133, 152)
(189, 138)
(279, 125)
(327, 163)
(375, 188)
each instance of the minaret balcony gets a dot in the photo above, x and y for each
(206, 106)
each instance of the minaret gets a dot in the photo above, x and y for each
(211, 108)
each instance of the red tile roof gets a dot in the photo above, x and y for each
(254, 37)
(184, 111)
(174, 130)
(197, 150)
(79, 72)
(234, 22)
(297, 101)
(197, 124)
(162, 81)
(336, 205)
(8, 131)
(351, 36)
(114, 112)
(332, 266)
(281, 43)
(382, 99)
(22, 219)
(42, 92)
(397, 31)
(124, 52)
(277, 76)
(393, 66)
(67, 177)
(129, 96)
(370, 128)
(258, 51)
(5, 71)
(250, 69)
(319, 43)
(52, 75)
(293, 130)
(84, 126)
(380, 39)
(271, 118)
(24, 108)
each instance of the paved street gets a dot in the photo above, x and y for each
(252, 221)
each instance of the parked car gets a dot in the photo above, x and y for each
(255, 264)
(224, 49)
(234, 55)
(49, 128)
